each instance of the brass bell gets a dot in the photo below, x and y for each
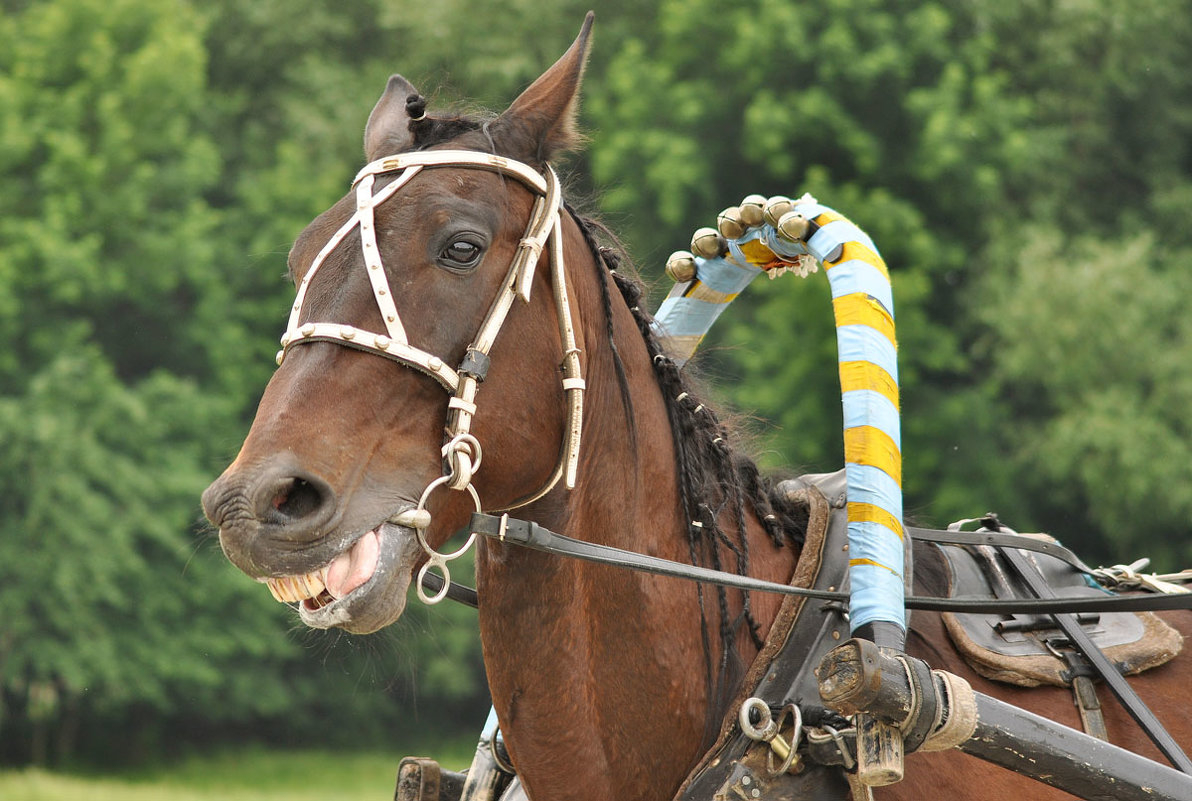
(793, 227)
(680, 266)
(752, 210)
(729, 223)
(708, 243)
(774, 209)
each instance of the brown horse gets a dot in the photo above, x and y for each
(606, 682)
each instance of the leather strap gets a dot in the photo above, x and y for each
(531, 535)
(1109, 673)
(460, 593)
(1000, 540)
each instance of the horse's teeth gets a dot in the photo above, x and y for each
(291, 589)
(312, 585)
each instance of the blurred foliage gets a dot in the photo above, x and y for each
(1026, 169)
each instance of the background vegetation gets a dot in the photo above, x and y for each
(1026, 168)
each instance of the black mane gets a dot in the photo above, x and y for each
(716, 481)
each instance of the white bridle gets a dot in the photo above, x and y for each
(462, 451)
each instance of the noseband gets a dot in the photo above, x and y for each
(461, 451)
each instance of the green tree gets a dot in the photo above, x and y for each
(1090, 343)
(1079, 298)
(894, 115)
(945, 130)
(152, 180)
(104, 252)
(1024, 169)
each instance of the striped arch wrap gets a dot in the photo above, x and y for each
(867, 351)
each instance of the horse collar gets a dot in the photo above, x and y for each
(461, 451)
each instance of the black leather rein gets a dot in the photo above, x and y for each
(532, 535)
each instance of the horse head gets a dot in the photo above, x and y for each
(410, 293)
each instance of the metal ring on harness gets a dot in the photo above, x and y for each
(769, 731)
(765, 727)
(434, 558)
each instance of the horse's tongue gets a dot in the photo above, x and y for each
(353, 567)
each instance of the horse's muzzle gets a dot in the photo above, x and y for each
(273, 520)
(281, 526)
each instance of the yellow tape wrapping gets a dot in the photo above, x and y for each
(861, 309)
(855, 251)
(872, 446)
(829, 216)
(855, 562)
(871, 513)
(701, 291)
(757, 253)
(867, 375)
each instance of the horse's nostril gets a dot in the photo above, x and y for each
(295, 498)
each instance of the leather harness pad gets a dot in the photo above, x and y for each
(783, 671)
(1015, 648)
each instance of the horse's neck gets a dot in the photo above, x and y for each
(585, 660)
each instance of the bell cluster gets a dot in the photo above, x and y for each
(734, 223)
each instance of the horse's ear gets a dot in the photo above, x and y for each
(542, 121)
(388, 128)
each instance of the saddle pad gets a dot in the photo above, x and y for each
(1015, 648)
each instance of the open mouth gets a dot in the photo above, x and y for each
(343, 574)
(360, 590)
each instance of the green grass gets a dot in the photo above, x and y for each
(246, 775)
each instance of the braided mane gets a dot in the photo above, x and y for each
(717, 483)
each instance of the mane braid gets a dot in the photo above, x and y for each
(715, 481)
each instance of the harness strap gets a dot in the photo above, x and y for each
(1084, 696)
(1001, 540)
(1108, 672)
(531, 535)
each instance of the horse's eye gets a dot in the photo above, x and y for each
(462, 253)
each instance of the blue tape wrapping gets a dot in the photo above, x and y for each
(876, 551)
(769, 237)
(868, 484)
(682, 317)
(811, 208)
(836, 233)
(854, 276)
(860, 343)
(875, 594)
(865, 407)
(724, 276)
(685, 320)
(882, 545)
